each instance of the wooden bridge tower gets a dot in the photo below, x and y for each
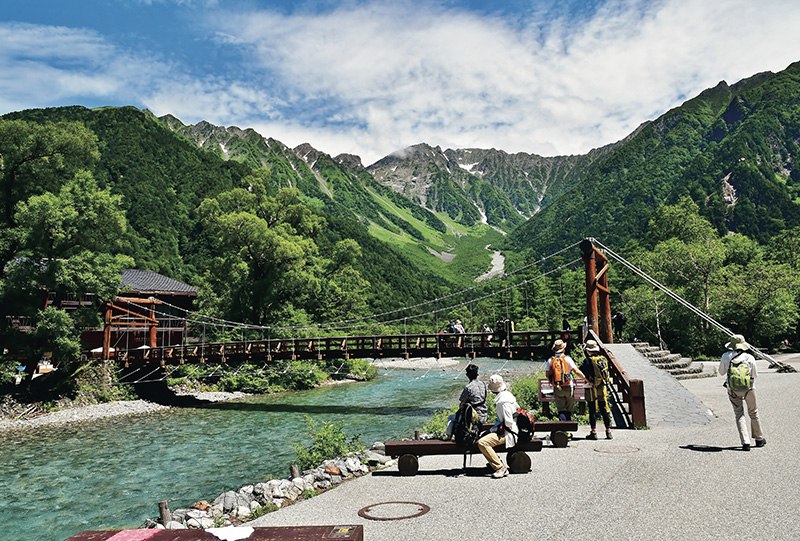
(597, 289)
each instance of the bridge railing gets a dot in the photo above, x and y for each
(515, 345)
(630, 391)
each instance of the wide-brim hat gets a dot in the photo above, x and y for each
(496, 383)
(738, 342)
(559, 345)
(592, 346)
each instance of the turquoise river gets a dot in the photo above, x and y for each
(58, 481)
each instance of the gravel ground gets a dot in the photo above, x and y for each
(101, 411)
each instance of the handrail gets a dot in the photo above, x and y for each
(632, 390)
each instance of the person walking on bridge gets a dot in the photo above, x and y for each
(504, 430)
(740, 368)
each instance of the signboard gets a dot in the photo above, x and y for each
(546, 390)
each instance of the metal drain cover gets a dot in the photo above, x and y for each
(393, 510)
(617, 449)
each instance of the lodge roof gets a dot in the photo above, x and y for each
(144, 281)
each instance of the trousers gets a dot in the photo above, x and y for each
(740, 399)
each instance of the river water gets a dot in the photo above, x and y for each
(56, 482)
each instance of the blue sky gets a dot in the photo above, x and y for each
(373, 77)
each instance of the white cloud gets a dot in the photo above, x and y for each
(372, 77)
(399, 74)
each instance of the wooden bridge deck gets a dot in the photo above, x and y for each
(519, 345)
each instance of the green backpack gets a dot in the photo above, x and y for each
(739, 375)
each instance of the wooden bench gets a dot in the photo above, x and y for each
(558, 430)
(409, 452)
(353, 532)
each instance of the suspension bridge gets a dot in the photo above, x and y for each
(342, 340)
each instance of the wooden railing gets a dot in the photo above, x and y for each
(630, 391)
(526, 344)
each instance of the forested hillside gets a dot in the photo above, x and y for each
(161, 179)
(732, 149)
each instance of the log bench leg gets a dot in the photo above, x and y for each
(518, 462)
(559, 439)
(408, 465)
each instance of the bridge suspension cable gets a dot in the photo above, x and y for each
(204, 319)
(680, 300)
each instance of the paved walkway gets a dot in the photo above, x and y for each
(685, 478)
(667, 402)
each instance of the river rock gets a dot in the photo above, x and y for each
(378, 447)
(175, 525)
(200, 523)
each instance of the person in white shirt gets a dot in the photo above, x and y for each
(506, 407)
(737, 354)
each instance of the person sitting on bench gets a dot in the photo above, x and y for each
(504, 430)
(475, 394)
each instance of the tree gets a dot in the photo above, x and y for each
(267, 265)
(59, 233)
(36, 158)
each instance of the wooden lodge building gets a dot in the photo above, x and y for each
(148, 312)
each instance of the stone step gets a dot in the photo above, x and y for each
(665, 358)
(681, 363)
(696, 369)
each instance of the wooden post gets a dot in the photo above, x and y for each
(107, 331)
(163, 510)
(295, 471)
(638, 414)
(153, 328)
(591, 287)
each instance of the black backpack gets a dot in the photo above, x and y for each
(466, 426)
(466, 429)
(524, 421)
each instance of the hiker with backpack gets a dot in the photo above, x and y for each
(474, 394)
(739, 367)
(595, 367)
(559, 369)
(504, 430)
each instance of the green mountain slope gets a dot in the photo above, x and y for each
(341, 186)
(732, 149)
(481, 186)
(163, 177)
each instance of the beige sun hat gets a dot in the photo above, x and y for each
(496, 383)
(559, 345)
(738, 343)
(592, 346)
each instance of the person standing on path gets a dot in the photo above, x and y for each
(740, 368)
(559, 369)
(504, 430)
(595, 367)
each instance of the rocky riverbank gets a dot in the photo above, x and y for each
(251, 501)
(95, 412)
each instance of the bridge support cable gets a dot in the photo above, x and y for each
(773, 363)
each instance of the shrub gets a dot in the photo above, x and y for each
(299, 375)
(328, 441)
(437, 425)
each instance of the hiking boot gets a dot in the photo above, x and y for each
(608, 435)
(746, 447)
(592, 436)
(761, 443)
(502, 472)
